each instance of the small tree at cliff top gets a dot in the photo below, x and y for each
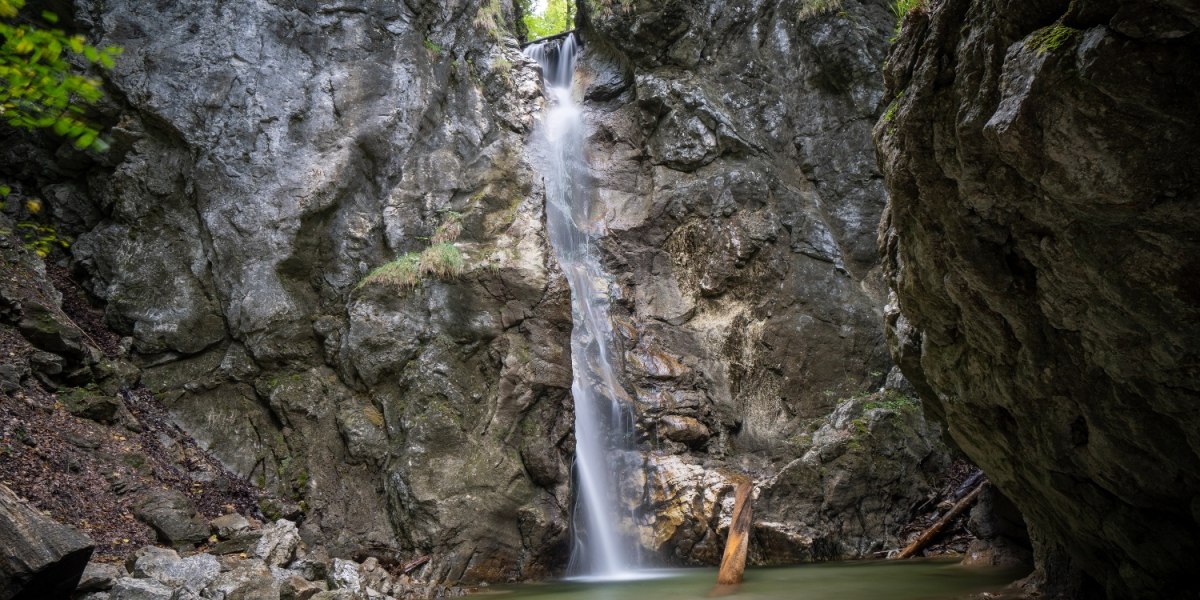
(40, 87)
(547, 17)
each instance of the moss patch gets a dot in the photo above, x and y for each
(1049, 39)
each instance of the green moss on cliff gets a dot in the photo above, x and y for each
(1049, 39)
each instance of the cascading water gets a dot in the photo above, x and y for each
(603, 424)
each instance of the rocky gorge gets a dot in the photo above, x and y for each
(319, 237)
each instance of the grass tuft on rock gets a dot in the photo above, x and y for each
(439, 260)
(901, 8)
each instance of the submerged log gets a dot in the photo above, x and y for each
(928, 535)
(733, 563)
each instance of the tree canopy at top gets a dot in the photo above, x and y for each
(546, 18)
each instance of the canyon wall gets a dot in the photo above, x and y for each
(1041, 244)
(266, 158)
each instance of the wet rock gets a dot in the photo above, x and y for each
(41, 558)
(172, 516)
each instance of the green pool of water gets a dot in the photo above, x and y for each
(873, 580)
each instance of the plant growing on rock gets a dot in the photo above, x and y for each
(439, 260)
(1049, 39)
(901, 8)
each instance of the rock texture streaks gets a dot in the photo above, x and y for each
(1041, 245)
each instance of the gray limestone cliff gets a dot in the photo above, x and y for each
(730, 150)
(1041, 245)
(267, 158)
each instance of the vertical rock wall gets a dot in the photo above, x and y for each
(266, 156)
(1041, 243)
(730, 146)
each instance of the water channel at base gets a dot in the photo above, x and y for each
(858, 580)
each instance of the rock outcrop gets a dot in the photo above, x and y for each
(264, 160)
(1041, 244)
(737, 183)
(42, 558)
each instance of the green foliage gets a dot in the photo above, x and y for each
(1049, 39)
(41, 238)
(901, 8)
(557, 16)
(442, 261)
(41, 89)
(432, 47)
(439, 260)
(893, 400)
(890, 113)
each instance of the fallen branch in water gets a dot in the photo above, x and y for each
(928, 535)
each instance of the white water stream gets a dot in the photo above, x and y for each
(603, 423)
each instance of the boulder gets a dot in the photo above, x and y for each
(228, 526)
(172, 516)
(247, 580)
(40, 558)
(91, 404)
(343, 575)
(279, 543)
(129, 588)
(98, 577)
(192, 574)
(299, 588)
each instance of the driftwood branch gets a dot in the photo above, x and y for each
(928, 535)
(733, 563)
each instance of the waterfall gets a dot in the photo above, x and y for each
(603, 422)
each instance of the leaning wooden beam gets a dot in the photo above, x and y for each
(733, 563)
(928, 535)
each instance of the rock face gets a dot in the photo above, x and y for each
(42, 558)
(266, 160)
(1041, 244)
(731, 157)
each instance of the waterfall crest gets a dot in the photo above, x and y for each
(603, 423)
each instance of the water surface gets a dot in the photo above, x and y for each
(870, 580)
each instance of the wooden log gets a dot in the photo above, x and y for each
(928, 535)
(733, 562)
(413, 564)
